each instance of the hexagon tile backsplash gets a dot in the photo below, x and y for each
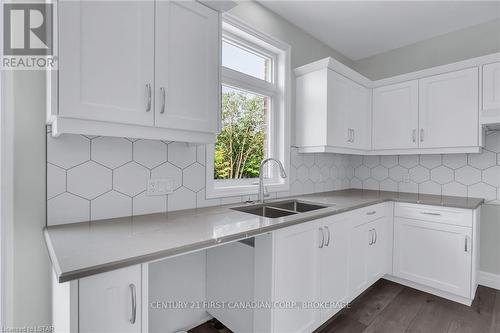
(473, 175)
(93, 178)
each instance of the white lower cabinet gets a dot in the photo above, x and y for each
(436, 255)
(296, 277)
(334, 268)
(368, 255)
(312, 269)
(317, 262)
(437, 248)
(111, 302)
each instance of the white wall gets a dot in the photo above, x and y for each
(455, 46)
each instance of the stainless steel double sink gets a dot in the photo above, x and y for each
(280, 208)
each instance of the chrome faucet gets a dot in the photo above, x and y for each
(261, 176)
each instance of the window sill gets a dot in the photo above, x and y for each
(217, 190)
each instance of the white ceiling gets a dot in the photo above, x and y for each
(359, 29)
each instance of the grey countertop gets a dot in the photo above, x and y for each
(82, 249)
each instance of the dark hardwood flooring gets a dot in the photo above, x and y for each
(388, 307)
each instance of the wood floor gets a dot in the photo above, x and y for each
(391, 308)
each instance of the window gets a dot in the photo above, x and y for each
(254, 112)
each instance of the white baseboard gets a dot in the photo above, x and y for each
(489, 280)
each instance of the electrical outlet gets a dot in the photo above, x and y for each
(160, 186)
(406, 178)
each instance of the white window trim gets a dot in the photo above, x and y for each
(281, 99)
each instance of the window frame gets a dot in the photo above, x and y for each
(278, 90)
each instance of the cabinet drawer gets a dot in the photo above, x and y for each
(446, 215)
(366, 214)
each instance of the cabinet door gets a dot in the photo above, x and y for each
(338, 108)
(359, 116)
(360, 240)
(106, 60)
(491, 87)
(106, 301)
(187, 66)
(395, 116)
(334, 266)
(448, 114)
(379, 252)
(433, 254)
(296, 277)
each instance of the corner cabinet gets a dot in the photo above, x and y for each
(147, 69)
(333, 111)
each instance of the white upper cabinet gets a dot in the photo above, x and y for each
(187, 66)
(122, 74)
(490, 112)
(395, 116)
(333, 113)
(448, 109)
(106, 63)
(432, 111)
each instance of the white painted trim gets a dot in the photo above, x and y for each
(489, 280)
(6, 197)
(357, 77)
(336, 66)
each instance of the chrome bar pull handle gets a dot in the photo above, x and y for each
(375, 232)
(322, 238)
(414, 135)
(432, 214)
(370, 237)
(163, 99)
(372, 212)
(133, 295)
(421, 135)
(148, 97)
(466, 243)
(328, 236)
(353, 135)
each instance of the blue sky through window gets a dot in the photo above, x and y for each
(244, 61)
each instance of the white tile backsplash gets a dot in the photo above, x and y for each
(92, 178)
(473, 175)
